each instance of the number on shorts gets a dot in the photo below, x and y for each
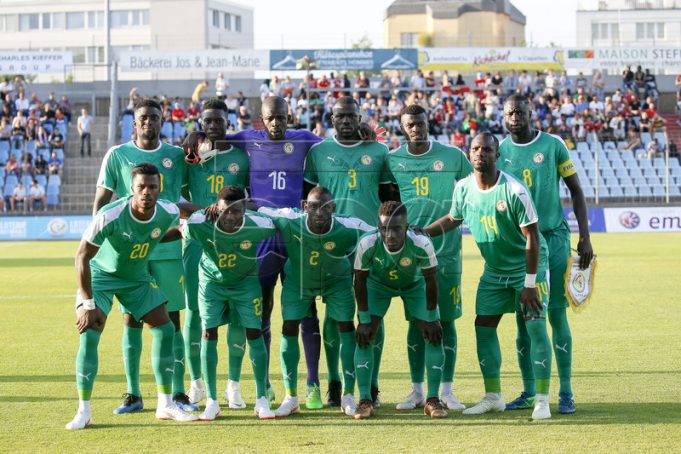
(257, 305)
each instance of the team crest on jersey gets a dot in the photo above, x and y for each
(405, 261)
(501, 205)
(538, 158)
(233, 168)
(245, 244)
(167, 163)
(366, 160)
(288, 148)
(156, 233)
(329, 245)
(438, 166)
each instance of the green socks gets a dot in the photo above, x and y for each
(449, 345)
(162, 357)
(192, 342)
(209, 366)
(541, 354)
(364, 365)
(523, 349)
(416, 352)
(332, 347)
(236, 349)
(435, 363)
(347, 356)
(562, 347)
(489, 357)
(132, 352)
(87, 362)
(178, 352)
(378, 352)
(290, 356)
(258, 355)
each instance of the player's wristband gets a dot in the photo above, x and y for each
(530, 280)
(88, 304)
(364, 317)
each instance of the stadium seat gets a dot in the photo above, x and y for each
(588, 192)
(603, 192)
(63, 128)
(4, 155)
(30, 147)
(60, 153)
(48, 128)
(674, 163)
(609, 145)
(54, 180)
(659, 191)
(621, 173)
(644, 191)
(127, 128)
(621, 144)
(652, 181)
(10, 184)
(611, 182)
(616, 191)
(167, 130)
(639, 181)
(646, 138)
(649, 172)
(26, 181)
(659, 163)
(630, 191)
(582, 146)
(645, 164)
(660, 138)
(52, 195)
(178, 131)
(675, 190)
(41, 179)
(607, 173)
(2, 175)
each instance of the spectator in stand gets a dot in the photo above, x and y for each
(596, 106)
(5, 129)
(198, 91)
(52, 101)
(633, 141)
(40, 165)
(566, 83)
(650, 84)
(362, 84)
(265, 90)
(18, 197)
(26, 167)
(232, 109)
(582, 104)
(459, 139)
(35, 103)
(56, 139)
(42, 138)
(430, 81)
(221, 86)
(628, 79)
(598, 84)
(193, 111)
(644, 124)
(654, 148)
(510, 83)
(12, 166)
(6, 87)
(639, 79)
(47, 115)
(11, 106)
(568, 109)
(54, 165)
(177, 114)
(244, 119)
(66, 108)
(581, 81)
(36, 194)
(19, 121)
(417, 81)
(84, 126)
(22, 104)
(617, 127)
(133, 98)
(657, 122)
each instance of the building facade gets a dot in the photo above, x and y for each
(453, 23)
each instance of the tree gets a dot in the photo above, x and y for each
(363, 43)
(424, 39)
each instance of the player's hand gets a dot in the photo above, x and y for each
(191, 146)
(432, 331)
(532, 306)
(585, 251)
(89, 319)
(365, 334)
(367, 133)
(212, 212)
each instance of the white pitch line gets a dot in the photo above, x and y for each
(30, 297)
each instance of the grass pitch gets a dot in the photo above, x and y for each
(626, 372)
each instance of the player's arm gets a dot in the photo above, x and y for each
(173, 234)
(187, 209)
(89, 316)
(102, 197)
(441, 226)
(584, 247)
(529, 297)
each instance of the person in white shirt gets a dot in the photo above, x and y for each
(524, 83)
(221, 86)
(596, 105)
(22, 103)
(84, 126)
(36, 194)
(18, 196)
(417, 81)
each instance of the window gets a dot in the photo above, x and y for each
(237, 23)
(595, 29)
(11, 22)
(29, 22)
(47, 23)
(95, 54)
(660, 29)
(228, 21)
(407, 39)
(95, 19)
(79, 54)
(136, 18)
(119, 19)
(216, 18)
(650, 30)
(615, 31)
(57, 21)
(145, 17)
(75, 21)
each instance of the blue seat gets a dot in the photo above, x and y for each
(48, 128)
(4, 155)
(644, 191)
(52, 195)
(178, 131)
(167, 130)
(9, 188)
(60, 153)
(41, 179)
(616, 191)
(26, 181)
(127, 127)
(31, 146)
(54, 180)
(630, 191)
(63, 128)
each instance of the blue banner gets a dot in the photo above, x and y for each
(343, 59)
(596, 220)
(43, 227)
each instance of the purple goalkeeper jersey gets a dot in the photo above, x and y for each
(276, 167)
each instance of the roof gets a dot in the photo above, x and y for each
(451, 9)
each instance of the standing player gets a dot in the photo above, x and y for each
(356, 173)
(165, 264)
(318, 243)
(391, 262)
(500, 213)
(112, 260)
(426, 173)
(541, 160)
(229, 290)
(222, 165)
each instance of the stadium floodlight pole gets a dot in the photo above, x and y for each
(113, 75)
(596, 165)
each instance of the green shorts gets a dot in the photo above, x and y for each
(191, 258)
(558, 242)
(413, 299)
(449, 289)
(339, 299)
(136, 298)
(219, 304)
(499, 295)
(169, 274)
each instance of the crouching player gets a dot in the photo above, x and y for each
(502, 218)
(112, 259)
(391, 262)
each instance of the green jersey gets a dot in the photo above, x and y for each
(540, 164)
(315, 261)
(228, 167)
(398, 269)
(426, 185)
(229, 258)
(495, 217)
(115, 175)
(352, 173)
(125, 242)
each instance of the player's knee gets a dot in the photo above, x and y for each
(253, 334)
(290, 328)
(130, 321)
(488, 321)
(210, 334)
(346, 327)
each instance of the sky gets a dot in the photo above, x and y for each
(322, 24)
